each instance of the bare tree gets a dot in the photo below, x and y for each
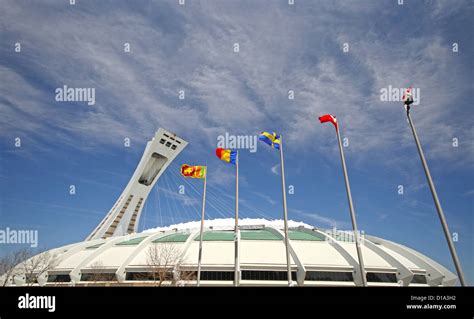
(164, 260)
(36, 266)
(183, 276)
(9, 265)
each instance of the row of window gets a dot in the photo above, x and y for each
(168, 144)
(246, 275)
(216, 275)
(84, 277)
(283, 276)
(172, 138)
(266, 275)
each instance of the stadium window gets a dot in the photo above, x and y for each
(328, 276)
(162, 141)
(98, 277)
(217, 275)
(168, 144)
(140, 276)
(31, 278)
(419, 279)
(381, 277)
(149, 276)
(59, 278)
(267, 275)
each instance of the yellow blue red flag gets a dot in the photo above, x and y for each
(226, 155)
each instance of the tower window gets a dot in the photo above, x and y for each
(152, 168)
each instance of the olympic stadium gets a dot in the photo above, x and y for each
(114, 254)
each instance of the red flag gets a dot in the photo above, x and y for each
(328, 118)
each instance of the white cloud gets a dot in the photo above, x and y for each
(269, 199)
(320, 219)
(184, 199)
(276, 169)
(244, 91)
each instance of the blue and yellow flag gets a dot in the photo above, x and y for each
(272, 139)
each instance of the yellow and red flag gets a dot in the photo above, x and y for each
(193, 171)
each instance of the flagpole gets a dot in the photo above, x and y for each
(236, 229)
(447, 234)
(201, 232)
(351, 209)
(285, 212)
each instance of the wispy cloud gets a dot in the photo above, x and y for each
(225, 89)
(267, 198)
(184, 199)
(52, 207)
(469, 193)
(320, 219)
(275, 169)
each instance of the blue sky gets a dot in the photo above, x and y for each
(282, 48)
